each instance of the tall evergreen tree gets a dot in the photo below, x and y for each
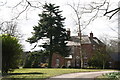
(51, 26)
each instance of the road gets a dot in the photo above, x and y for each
(80, 76)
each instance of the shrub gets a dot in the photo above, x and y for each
(115, 75)
(11, 53)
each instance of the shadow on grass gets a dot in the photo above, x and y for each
(32, 73)
(9, 74)
(22, 79)
(24, 73)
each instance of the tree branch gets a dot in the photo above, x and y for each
(21, 12)
(26, 6)
(3, 3)
(111, 11)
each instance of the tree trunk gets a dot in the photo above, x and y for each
(50, 60)
(81, 54)
(51, 53)
(103, 64)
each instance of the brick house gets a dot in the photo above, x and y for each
(88, 44)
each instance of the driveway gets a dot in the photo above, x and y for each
(80, 76)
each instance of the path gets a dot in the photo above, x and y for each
(80, 76)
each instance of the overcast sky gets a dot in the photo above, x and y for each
(27, 20)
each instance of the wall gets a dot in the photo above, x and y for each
(61, 60)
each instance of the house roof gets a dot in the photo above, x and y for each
(75, 40)
(95, 40)
(115, 56)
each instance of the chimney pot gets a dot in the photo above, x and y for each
(91, 35)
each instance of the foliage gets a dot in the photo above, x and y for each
(109, 76)
(11, 53)
(115, 75)
(95, 62)
(28, 61)
(50, 26)
(34, 59)
(99, 59)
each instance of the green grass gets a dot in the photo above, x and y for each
(44, 72)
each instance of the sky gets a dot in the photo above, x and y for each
(100, 26)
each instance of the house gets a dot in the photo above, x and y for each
(88, 44)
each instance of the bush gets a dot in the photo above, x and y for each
(33, 59)
(11, 53)
(115, 75)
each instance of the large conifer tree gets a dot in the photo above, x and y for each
(51, 26)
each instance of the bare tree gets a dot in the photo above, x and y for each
(11, 28)
(80, 10)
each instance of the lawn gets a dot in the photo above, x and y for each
(44, 72)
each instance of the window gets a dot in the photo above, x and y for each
(85, 57)
(68, 63)
(57, 62)
(72, 50)
(85, 63)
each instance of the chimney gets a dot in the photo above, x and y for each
(91, 35)
(68, 32)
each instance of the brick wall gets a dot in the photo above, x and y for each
(61, 60)
(87, 49)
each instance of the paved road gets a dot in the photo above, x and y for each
(80, 76)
